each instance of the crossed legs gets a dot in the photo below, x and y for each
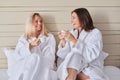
(72, 75)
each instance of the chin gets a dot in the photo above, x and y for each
(75, 27)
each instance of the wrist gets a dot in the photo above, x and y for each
(74, 42)
(30, 46)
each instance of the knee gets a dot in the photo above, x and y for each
(82, 76)
(69, 79)
(72, 73)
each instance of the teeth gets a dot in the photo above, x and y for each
(62, 31)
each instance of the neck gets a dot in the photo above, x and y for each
(35, 35)
(79, 29)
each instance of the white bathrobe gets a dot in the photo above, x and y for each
(34, 64)
(87, 56)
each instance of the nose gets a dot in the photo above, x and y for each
(39, 22)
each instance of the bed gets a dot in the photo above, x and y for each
(111, 71)
(3, 74)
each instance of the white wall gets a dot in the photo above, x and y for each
(56, 14)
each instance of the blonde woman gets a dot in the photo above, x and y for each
(36, 51)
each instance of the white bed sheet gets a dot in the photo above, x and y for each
(3, 74)
(111, 71)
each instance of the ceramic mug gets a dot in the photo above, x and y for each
(42, 39)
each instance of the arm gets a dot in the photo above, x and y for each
(23, 47)
(63, 51)
(64, 46)
(52, 44)
(92, 48)
(48, 50)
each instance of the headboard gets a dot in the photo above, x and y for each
(57, 17)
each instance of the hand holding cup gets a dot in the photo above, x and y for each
(62, 34)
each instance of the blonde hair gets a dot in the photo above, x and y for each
(29, 26)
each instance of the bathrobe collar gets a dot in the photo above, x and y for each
(83, 34)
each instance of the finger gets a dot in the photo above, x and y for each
(60, 37)
(37, 40)
(38, 43)
(59, 33)
(68, 35)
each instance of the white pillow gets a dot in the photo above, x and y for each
(105, 55)
(112, 72)
(11, 56)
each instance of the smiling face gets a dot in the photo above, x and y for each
(75, 21)
(37, 23)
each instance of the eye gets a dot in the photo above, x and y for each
(40, 21)
(36, 21)
(73, 17)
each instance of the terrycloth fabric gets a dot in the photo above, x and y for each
(34, 64)
(89, 55)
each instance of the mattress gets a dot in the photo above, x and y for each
(3, 74)
(112, 72)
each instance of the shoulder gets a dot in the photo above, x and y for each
(96, 34)
(50, 35)
(51, 38)
(97, 31)
(22, 38)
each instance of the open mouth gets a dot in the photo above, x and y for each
(73, 24)
(38, 30)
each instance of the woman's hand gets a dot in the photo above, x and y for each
(70, 37)
(36, 42)
(61, 36)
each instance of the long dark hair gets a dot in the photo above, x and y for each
(84, 18)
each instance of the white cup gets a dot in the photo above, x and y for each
(42, 39)
(63, 33)
(33, 38)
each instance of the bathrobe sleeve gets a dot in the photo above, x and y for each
(22, 47)
(48, 50)
(62, 52)
(92, 47)
(52, 44)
